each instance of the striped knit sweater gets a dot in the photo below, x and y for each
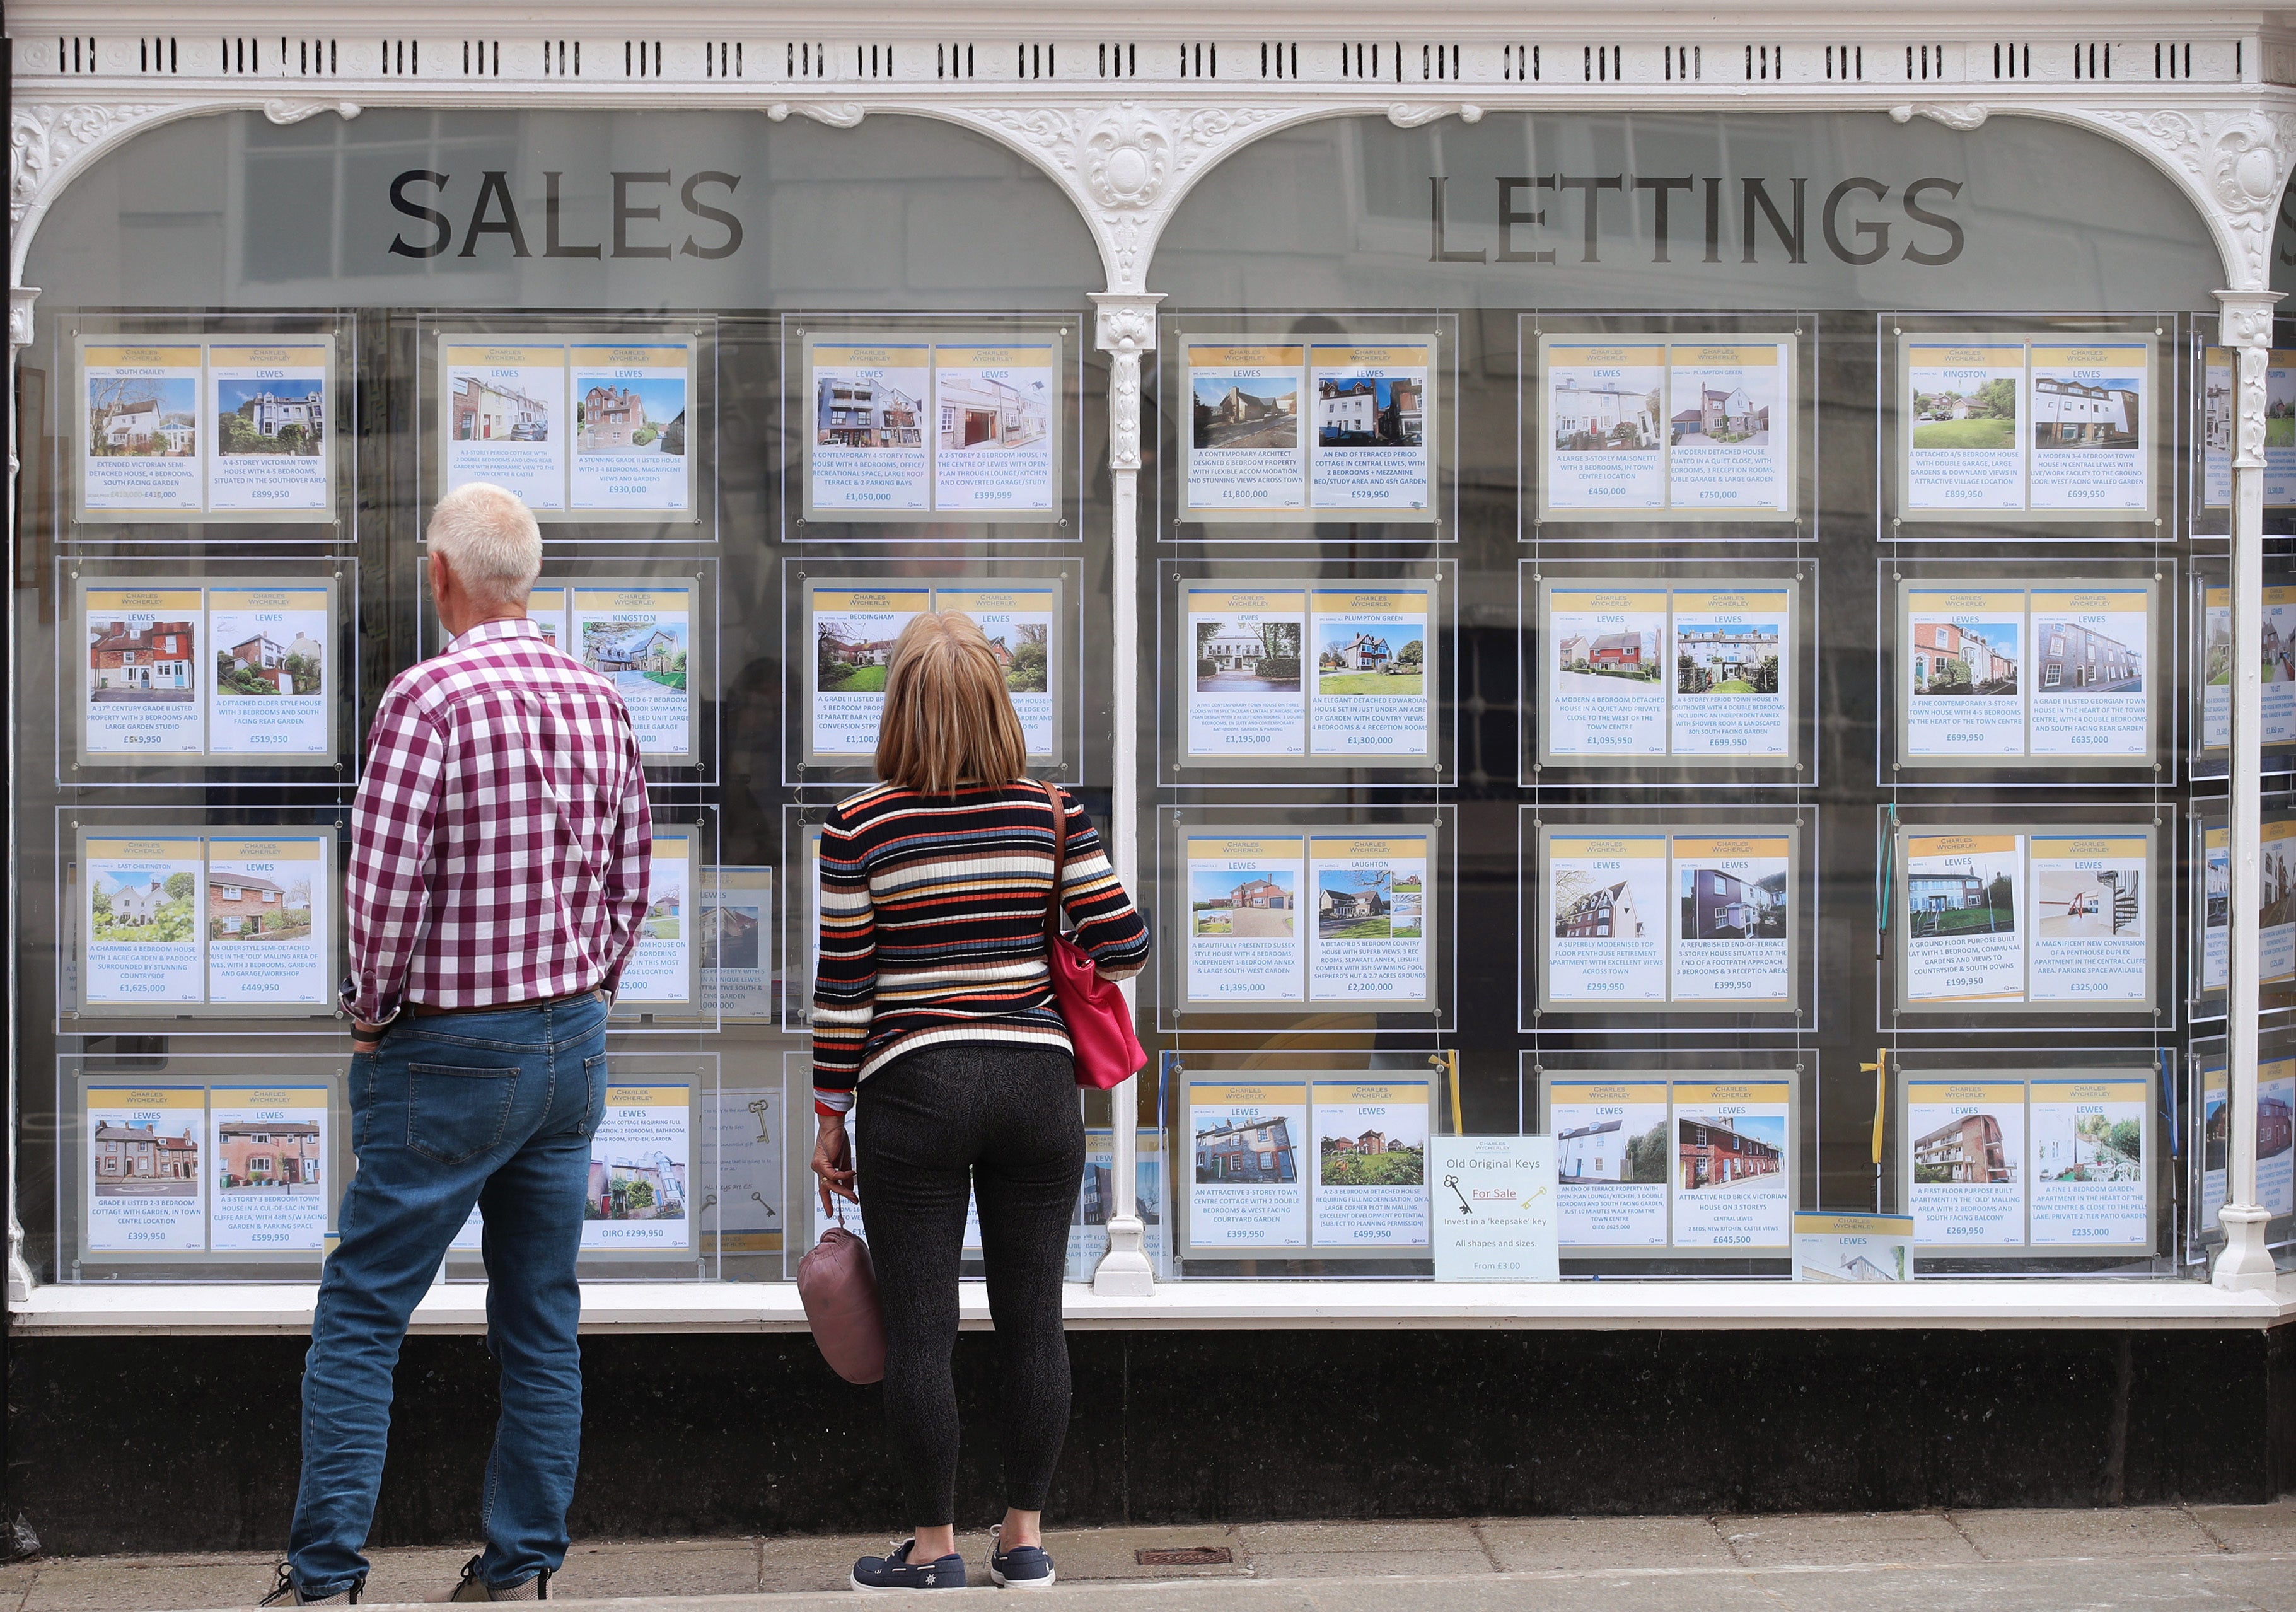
(932, 925)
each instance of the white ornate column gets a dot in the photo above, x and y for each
(20, 1274)
(1127, 331)
(2245, 1263)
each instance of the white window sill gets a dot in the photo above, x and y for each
(612, 1307)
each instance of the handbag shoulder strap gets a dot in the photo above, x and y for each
(1059, 859)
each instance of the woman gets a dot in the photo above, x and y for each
(933, 1019)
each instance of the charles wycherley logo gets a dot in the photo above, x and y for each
(1536, 217)
(639, 224)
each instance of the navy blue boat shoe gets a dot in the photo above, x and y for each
(1021, 1567)
(896, 1571)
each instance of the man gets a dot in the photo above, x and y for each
(500, 850)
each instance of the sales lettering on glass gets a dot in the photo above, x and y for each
(1771, 219)
(634, 216)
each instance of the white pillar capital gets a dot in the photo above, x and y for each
(1126, 328)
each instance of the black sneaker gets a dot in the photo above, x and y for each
(896, 1571)
(287, 1593)
(1021, 1567)
(474, 1586)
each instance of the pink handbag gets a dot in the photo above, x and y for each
(837, 1283)
(1099, 1021)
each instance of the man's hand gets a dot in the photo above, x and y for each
(366, 1037)
(833, 1160)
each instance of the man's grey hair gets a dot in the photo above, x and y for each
(490, 539)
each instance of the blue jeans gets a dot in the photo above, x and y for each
(453, 1110)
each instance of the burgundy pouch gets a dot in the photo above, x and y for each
(838, 1285)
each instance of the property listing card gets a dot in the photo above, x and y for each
(1962, 648)
(736, 909)
(1248, 1191)
(2088, 1139)
(661, 971)
(1613, 1141)
(1601, 651)
(853, 630)
(1246, 697)
(1962, 897)
(2092, 902)
(1370, 453)
(546, 607)
(2279, 669)
(640, 1156)
(2276, 1138)
(2090, 648)
(638, 636)
(269, 1146)
(1245, 452)
(143, 921)
(1370, 939)
(1244, 944)
(503, 408)
(2217, 426)
(1734, 1169)
(1606, 904)
(273, 423)
(1732, 943)
(1371, 1161)
(2215, 1142)
(632, 402)
(2215, 670)
(270, 694)
(1374, 654)
(866, 456)
(1731, 418)
(2278, 919)
(141, 440)
(1731, 652)
(142, 683)
(1967, 1161)
(2280, 430)
(1853, 1247)
(1966, 450)
(2216, 908)
(1606, 425)
(2090, 425)
(995, 408)
(147, 1183)
(1018, 621)
(268, 901)
(744, 1156)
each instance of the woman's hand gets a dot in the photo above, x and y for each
(833, 1160)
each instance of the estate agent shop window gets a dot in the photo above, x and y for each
(1665, 681)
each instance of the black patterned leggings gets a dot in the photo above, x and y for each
(1002, 1119)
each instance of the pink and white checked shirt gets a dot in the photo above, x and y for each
(501, 842)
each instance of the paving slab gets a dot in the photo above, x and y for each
(1350, 1538)
(2177, 1586)
(1361, 1564)
(1845, 1539)
(1082, 1555)
(2271, 1527)
(1657, 1593)
(607, 1569)
(2124, 1531)
(117, 1585)
(2266, 1583)
(1529, 1544)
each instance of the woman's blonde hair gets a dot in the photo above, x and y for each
(948, 715)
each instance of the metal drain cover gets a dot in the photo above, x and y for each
(1185, 1556)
